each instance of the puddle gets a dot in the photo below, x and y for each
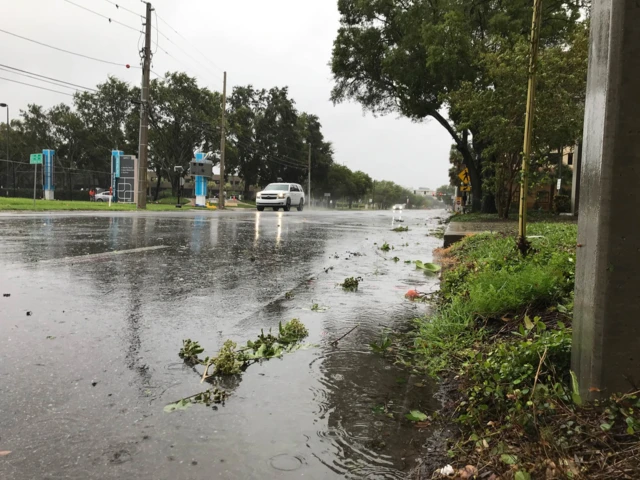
(118, 321)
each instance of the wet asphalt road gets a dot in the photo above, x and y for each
(100, 303)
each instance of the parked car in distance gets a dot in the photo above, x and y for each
(103, 196)
(281, 195)
(398, 206)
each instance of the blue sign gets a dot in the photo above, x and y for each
(115, 162)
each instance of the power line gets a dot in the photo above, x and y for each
(210, 72)
(111, 20)
(68, 51)
(35, 75)
(120, 7)
(190, 43)
(36, 86)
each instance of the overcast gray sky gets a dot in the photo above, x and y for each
(264, 43)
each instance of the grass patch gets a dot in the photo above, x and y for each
(501, 333)
(25, 204)
(533, 216)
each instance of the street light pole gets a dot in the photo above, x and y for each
(4, 105)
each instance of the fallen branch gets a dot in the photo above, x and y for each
(335, 342)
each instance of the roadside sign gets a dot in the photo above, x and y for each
(464, 176)
(35, 159)
(559, 184)
(327, 194)
(465, 188)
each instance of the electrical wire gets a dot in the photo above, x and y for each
(120, 7)
(35, 75)
(68, 51)
(189, 42)
(210, 72)
(36, 86)
(111, 20)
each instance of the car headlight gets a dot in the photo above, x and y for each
(282, 195)
(259, 195)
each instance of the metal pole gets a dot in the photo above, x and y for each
(222, 143)
(143, 150)
(528, 126)
(35, 174)
(309, 174)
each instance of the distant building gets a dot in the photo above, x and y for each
(425, 192)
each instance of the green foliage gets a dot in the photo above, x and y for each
(427, 268)
(396, 259)
(416, 416)
(212, 397)
(351, 284)
(401, 229)
(561, 203)
(382, 346)
(293, 331)
(227, 363)
(289, 296)
(501, 380)
(385, 247)
(190, 351)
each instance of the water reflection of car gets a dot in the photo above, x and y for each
(103, 196)
(281, 195)
(398, 206)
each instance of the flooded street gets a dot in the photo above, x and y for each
(99, 306)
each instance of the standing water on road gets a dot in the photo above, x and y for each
(95, 308)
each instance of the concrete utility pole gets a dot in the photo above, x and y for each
(309, 188)
(528, 125)
(143, 147)
(222, 142)
(606, 325)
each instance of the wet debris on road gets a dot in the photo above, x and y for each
(232, 361)
(351, 284)
(6, 295)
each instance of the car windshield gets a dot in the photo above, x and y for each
(278, 187)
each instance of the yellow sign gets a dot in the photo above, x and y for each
(465, 188)
(464, 176)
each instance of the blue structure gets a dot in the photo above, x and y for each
(115, 171)
(48, 173)
(201, 184)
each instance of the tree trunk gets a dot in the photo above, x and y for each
(155, 197)
(462, 145)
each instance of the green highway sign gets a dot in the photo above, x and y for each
(36, 159)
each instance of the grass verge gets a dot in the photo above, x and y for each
(532, 217)
(25, 204)
(501, 333)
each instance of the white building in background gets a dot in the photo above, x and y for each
(425, 192)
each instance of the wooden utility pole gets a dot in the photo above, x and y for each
(222, 142)
(309, 188)
(143, 148)
(528, 126)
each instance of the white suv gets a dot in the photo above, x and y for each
(281, 195)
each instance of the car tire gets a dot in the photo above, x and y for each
(260, 209)
(287, 207)
(301, 206)
(275, 209)
(100, 200)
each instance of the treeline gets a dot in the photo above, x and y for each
(267, 138)
(465, 64)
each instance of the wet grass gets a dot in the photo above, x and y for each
(533, 216)
(501, 332)
(25, 204)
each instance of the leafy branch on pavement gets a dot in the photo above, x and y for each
(351, 284)
(233, 361)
